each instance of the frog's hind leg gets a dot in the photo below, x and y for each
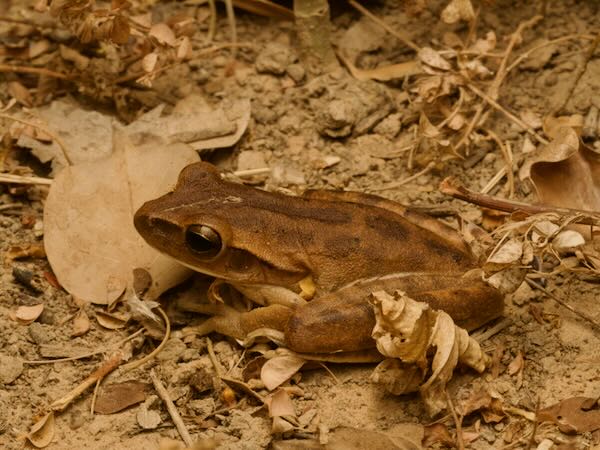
(230, 322)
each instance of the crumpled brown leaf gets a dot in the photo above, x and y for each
(573, 415)
(409, 331)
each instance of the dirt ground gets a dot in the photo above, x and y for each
(540, 362)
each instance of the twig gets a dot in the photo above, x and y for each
(212, 25)
(460, 442)
(482, 337)
(531, 442)
(574, 79)
(45, 130)
(523, 56)
(493, 103)
(328, 370)
(213, 358)
(494, 181)
(495, 86)
(451, 186)
(13, 68)
(21, 179)
(402, 182)
(86, 355)
(564, 304)
(111, 364)
(507, 154)
(405, 40)
(156, 351)
(10, 206)
(177, 420)
(252, 172)
(231, 21)
(52, 26)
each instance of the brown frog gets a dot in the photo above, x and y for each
(345, 244)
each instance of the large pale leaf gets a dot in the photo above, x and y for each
(89, 235)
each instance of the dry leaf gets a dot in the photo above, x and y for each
(280, 369)
(163, 34)
(42, 433)
(87, 135)
(28, 314)
(118, 396)
(89, 236)
(566, 241)
(410, 331)
(458, 10)
(81, 324)
(432, 58)
(280, 404)
(507, 254)
(149, 62)
(573, 415)
(566, 173)
(111, 321)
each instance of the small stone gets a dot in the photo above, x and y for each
(274, 59)
(296, 72)
(263, 114)
(285, 176)
(148, 420)
(390, 126)
(38, 333)
(11, 368)
(172, 351)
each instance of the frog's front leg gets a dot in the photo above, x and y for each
(231, 322)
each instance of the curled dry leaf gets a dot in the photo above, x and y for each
(567, 241)
(280, 369)
(28, 314)
(566, 173)
(42, 432)
(432, 58)
(163, 34)
(89, 236)
(411, 332)
(111, 321)
(81, 324)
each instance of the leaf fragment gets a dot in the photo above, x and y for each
(280, 369)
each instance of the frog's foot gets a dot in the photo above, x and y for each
(230, 322)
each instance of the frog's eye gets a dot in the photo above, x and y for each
(203, 240)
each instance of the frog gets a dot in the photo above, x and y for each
(310, 262)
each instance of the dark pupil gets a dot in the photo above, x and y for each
(200, 243)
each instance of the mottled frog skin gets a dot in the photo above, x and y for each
(347, 244)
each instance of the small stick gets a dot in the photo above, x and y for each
(21, 179)
(504, 323)
(405, 40)
(494, 104)
(564, 304)
(507, 154)
(402, 182)
(10, 206)
(85, 355)
(460, 442)
(252, 172)
(451, 186)
(177, 420)
(109, 365)
(531, 442)
(13, 68)
(213, 358)
(156, 351)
